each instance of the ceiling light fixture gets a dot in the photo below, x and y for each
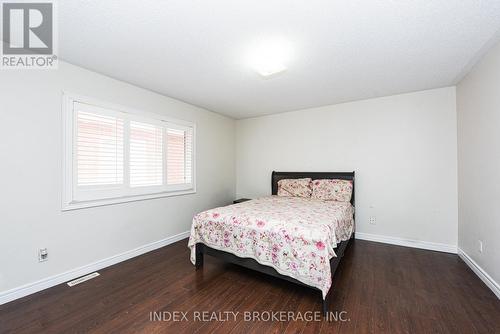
(270, 57)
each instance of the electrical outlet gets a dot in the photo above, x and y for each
(373, 220)
(43, 255)
(480, 246)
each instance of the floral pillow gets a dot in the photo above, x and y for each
(295, 187)
(332, 190)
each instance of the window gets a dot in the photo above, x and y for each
(99, 143)
(179, 153)
(115, 155)
(146, 154)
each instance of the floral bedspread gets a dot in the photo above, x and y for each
(294, 235)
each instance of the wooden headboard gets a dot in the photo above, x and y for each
(276, 176)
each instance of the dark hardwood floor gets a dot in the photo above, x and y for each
(378, 288)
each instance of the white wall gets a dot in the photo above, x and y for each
(478, 108)
(403, 149)
(31, 176)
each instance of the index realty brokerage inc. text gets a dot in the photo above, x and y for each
(279, 316)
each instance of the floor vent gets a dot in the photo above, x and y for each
(83, 279)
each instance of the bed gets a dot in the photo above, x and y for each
(301, 240)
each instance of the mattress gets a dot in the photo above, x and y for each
(296, 236)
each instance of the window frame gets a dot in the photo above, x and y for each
(117, 193)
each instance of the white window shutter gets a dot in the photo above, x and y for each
(146, 154)
(179, 155)
(99, 149)
(189, 156)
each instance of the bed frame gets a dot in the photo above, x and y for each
(249, 263)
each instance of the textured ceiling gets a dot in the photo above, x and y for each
(196, 51)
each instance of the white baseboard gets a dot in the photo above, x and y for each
(407, 242)
(45, 283)
(483, 275)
